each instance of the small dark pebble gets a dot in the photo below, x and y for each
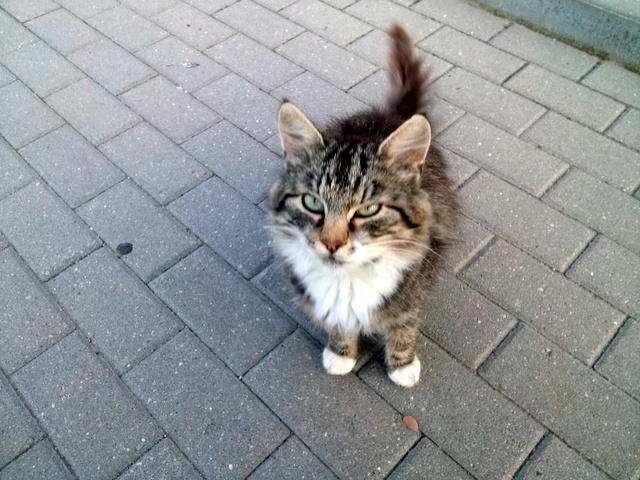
(124, 248)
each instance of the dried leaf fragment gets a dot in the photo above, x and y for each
(410, 422)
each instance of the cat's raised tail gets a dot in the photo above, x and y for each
(408, 77)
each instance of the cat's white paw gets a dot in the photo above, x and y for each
(337, 364)
(406, 376)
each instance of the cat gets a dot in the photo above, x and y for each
(360, 218)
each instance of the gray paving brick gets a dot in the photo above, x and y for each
(426, 460)
(210, 6)
(611, 272)
(44, 230)
(469, 239)
(472, 54)
(14, 35)
(19, 428)
(583, 409)
(42, 68)
(328, 61)
(63, 31)
(171, 110)
(326, 21)
(27, 327)
(459, 168)
(615, 81)
(351, 441)
(245, 105)
(487, 100)
(238, 159)
(193, 26)
(565, 96)
(127, 28)
(620, 362)
(441, 114)
(24, 11)
(166, 460)
(625, 130)
(155, 163)
(545, 51)
(320, 100)
(24, 116)
(529, 168)
(5, 76)
(554, 459)
(149, 7)
(116, 311)
(111, 66)
(538, 229)
(463, 17)
(276, 5)
(92, 111)
(266, 27)
(225, 313)
(380, 13)
(479, 428)
(125, 214)
(87, 8)
(40, 461)
(228, 223)
(254, 62)
(4, 243)
(273, 285)
(220, 425)
(463, 322)
(598, 205)
(71, 165)
(94, 422)
(547, 301)
(292, 460)
(184, 65)
(14, 172)
(605, 159)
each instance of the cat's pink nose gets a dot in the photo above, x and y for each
(332, 246)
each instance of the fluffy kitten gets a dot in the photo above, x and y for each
(360, 217)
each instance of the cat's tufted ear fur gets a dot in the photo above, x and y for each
(406, 148)
(297, 134)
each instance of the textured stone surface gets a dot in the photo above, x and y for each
(359, 428)
(73, 167)
(487, 100)
(30, 320)
(228, 223)
(63, 31)
(14, 171)
(155, 163)
(116, 311)
(210, 414)
(93, 111)
(590, 414)
(616, 82)
(465, 417)
(72, 390)
(620, 363)
(531, 225)
(222, 309)
(604, 158)
(44, 230)
(40, 461)
(557, 308)
(625, 130)
(165, 460)
(426, 460)
(125, 214)
(611, 272)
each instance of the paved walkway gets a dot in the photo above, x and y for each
(144, 331)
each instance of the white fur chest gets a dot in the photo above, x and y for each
(345, 295)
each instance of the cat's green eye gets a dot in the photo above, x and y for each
(368, 210)
(313, 204)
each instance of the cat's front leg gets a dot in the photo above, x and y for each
(339, 356)
(400, 355)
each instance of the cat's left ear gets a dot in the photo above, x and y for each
(297, 134)
(407, 147)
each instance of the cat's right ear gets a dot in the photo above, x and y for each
(297, 134)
